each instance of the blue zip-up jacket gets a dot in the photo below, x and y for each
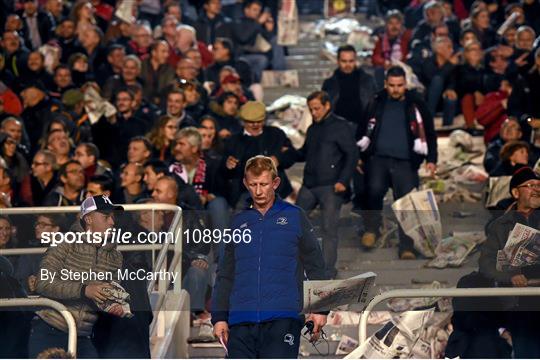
(262, 280)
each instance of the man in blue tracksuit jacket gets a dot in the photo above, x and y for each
(257, 298)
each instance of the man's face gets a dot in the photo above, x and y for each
(396, 87)
(66, 29)
(11, 42)
(169, 26)
(94, 189)
(98, 222)
(164, 193)
(230, 106)
(434, 15)
(83, 157)
(143, 37)
(32, 96)
(62, 78)
(40, 166)
(393, 27)
(13, 23)
(473, 54)
(35, 61)
(13, 129)
(5, 232)
(254, 128)
(124, 102)
(207, 138)
(137, 152)
(183, 40)
(261, 188)
(253, 11)
(74, 177)
(525, 40)
(129, 175)
(183, 151)
(528, 194)
(186, 69)
(511, 131)
(444, 49)
(213, 7)
(150, 178)
(318, 110)
(116, 58)
(30, 7)
(44, 224)
(89, 38)
(161, 53)
(175, 104)
(55, 7)
(59, 143)
(221, 54)
(130, 70)
(195, 56)
(347, 62)
(176, 12)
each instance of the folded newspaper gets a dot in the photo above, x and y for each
(326, 295)
(522, 248)
(419, 217)
(498, 189)
(452, 251)
(117, 301)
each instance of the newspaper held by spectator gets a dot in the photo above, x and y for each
(288, 25)
(418, 215)
(452, 251)
(117, 301)
(96, 106)
(326, 295)
(127, 11)
(397, 339)
(275, 78)
(536, 167)
(522, 248)
(51, 54)
(498, 189)
(346, 345)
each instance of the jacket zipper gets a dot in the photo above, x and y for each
(259, 275)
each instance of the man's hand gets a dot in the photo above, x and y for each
(199, 264)
(339, 187)
(318, 322)
(450, 94)
(519, 280)
(431, 168)
(97, 291)
(231, 162)
(224, 133)
(359, 165)
(221, 329)
(522, 60)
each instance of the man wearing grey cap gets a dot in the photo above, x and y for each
(80, 297)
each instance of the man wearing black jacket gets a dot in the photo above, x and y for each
(330, 157)
(394, 139)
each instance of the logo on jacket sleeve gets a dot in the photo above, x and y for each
(289, 339)
(282, 221)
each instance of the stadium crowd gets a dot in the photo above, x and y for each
(183, 78)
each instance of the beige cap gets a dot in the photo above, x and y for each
(253, 111)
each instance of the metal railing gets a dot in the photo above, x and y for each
(44, 302)
(426, 293)
(161, 262)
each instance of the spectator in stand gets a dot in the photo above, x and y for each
(156, 73)
(87, 154)
(100, 185)
(522, 58)
(494, 110)
(479, 23)
(393, 44)
(114, 64)
(211, 23)
(510, 131)
(434, 16)
(175, 108)
(162, 136)
(195, 102)
(168, 29)
(470, 81)
(35, 70)
(38, 26)
(9, 190)
(78, 64)
(437, 74)
(330, 156)
(131, 71)
(131, 183)
(61, 82)
(528, 86)
(6, 237)
(231, 83)
(350, 88)
(66, 38)
(91, 41)
(153, 171)
(15, 161)
(13, 127)
(58, 143)
(139, 150)
(42, 180)
(513, 156)
(523, 318)
(141, 41)
(143, 109)
(223, 51)
(15, 53)
(82, 14)
(256, 139)
(212, 146)
(70, 190)
(225, 111)
(395, 137)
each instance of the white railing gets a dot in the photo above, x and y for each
(423, 293)
(44, 302)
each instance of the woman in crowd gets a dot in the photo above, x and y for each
(162, 136)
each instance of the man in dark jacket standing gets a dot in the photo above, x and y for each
(256, 301)
(330, 157)
(394, 139)
(523, 321)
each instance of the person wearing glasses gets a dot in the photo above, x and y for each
(523, 321)
(70, 190)
(42, 180)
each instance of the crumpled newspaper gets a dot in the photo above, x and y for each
(406, 304)
(337, 25)
(96, 106)
(117, 301)
(292, 116)
(469, 174)
(453, 250)
(449, 190)
(463, 139)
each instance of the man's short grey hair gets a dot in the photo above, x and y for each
(192, 135)
(135, 59)
(8, 120)
(525, 28)
(432, 5)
